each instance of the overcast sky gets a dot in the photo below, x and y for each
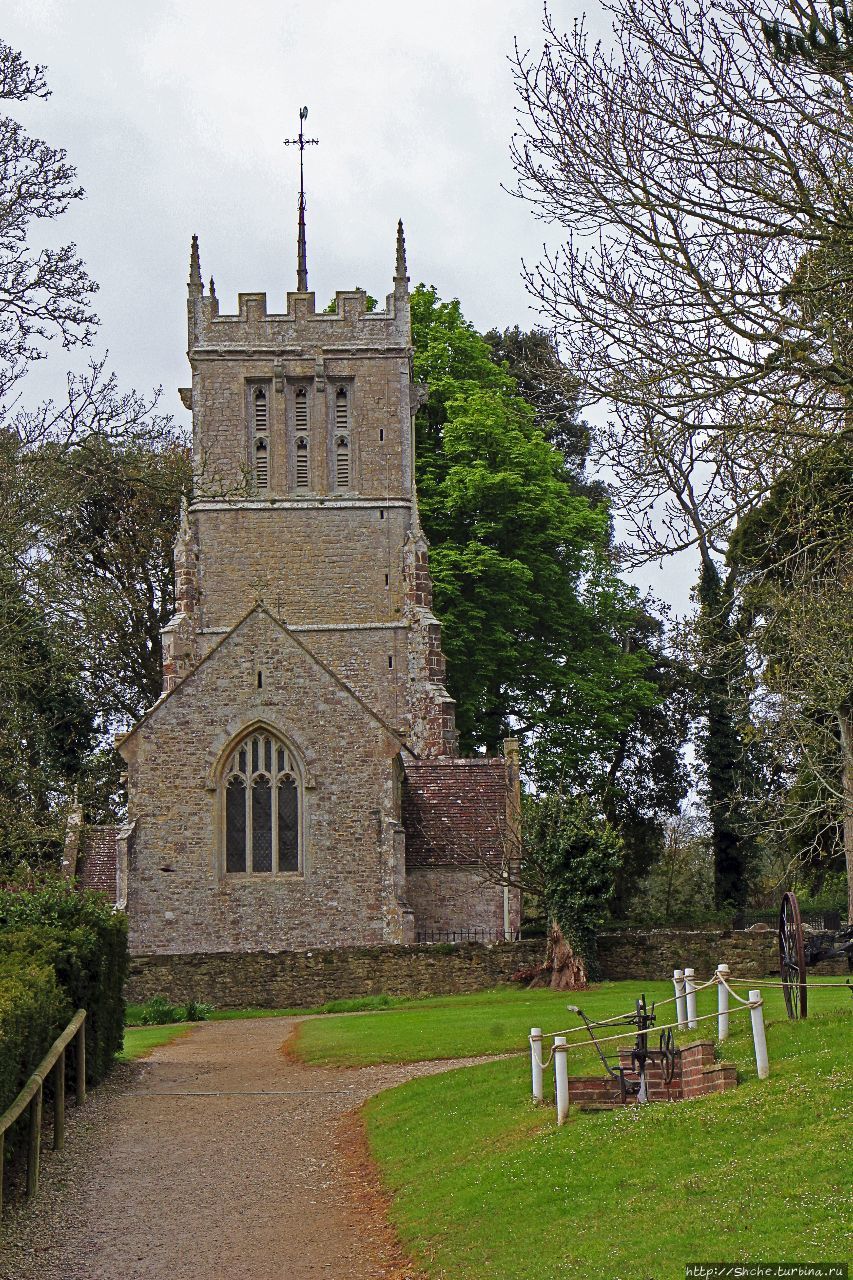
(174, 115)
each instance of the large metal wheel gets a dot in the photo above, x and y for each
(792, 957)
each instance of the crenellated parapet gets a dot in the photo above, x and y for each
(300, 327)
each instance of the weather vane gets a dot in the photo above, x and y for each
(301, 252)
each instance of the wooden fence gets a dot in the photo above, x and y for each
(31, 1097)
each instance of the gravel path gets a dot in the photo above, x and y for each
(217, 1156)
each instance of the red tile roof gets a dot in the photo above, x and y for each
(454, 811)
(96, 861)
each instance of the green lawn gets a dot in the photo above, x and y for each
(486, 1187)
(493, 1022)
(140, 1040)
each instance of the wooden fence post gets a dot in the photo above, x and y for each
(59, 1103)
(35, 1144)
(81, 1065)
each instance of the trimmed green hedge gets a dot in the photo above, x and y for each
(33, 1010)
(83, 941)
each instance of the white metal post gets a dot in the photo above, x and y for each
(561, 1075)
(680, 1002)
(756, 1013)
(690, 992)
(536, 1062)
(722, 1003)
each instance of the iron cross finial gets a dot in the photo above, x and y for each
(301, 251)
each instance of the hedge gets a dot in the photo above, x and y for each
(83, 941)
(33, 1010)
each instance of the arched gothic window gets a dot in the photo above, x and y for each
(262, 807)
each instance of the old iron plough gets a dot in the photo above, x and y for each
(632, 1079)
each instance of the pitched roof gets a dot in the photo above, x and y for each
(454, 811)
(97, 860)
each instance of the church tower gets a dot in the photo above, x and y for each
(304, 718)
(304, 495)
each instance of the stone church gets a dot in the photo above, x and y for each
(297, 783)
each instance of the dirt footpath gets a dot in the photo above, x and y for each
(216, 1157)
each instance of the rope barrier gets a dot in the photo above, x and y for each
(604, 1022)
(584, 1035)
(813, 986)
(536, 1058)
(722, 979)
(632, 1033)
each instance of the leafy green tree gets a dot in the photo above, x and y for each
(46, 726)
(548, 386)
(573, 855)
(520, 560)
(543, 639)
(110, 521)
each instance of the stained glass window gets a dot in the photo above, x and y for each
(262, 807)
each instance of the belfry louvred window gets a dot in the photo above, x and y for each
(262, 464)
(342, 444)
(342, 463)
(260, 438)
(301, 409)
(301, 462)
(262, 807)
(300, 422)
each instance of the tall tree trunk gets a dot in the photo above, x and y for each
(568, 972)
(845, 724)
(722, 746)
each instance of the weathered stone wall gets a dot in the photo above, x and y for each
(458, 898)
(368, 352)
(313, 563)
(653, 954)
(305, 979)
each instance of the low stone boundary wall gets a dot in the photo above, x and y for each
(303, 979)
(654, 953)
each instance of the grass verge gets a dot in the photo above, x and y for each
(486, 1187)
(135, 1014)
(141, 1040)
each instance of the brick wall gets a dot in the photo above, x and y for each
(697, 1073)
(303, 979)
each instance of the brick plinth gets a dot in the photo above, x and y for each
(697, 1074)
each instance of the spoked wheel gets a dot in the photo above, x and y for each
(667, 1055)
(792, 957)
